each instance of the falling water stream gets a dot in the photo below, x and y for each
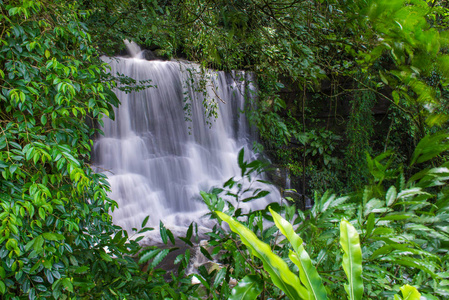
(159, 153)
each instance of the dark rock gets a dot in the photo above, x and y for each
(149, 55)
(302, 201)
(278, 176)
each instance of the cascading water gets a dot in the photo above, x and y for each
(156, 161)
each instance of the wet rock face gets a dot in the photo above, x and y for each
(149, 55)
(302, 201)
(278, 176)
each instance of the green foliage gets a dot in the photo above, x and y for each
(396, 229)
(359, 131)
(408, 32)
(112, 22)
(57, 239)
(278, 270)
(352, 259)
(153, 280)
(308, 276)
(247, 289)
(199, 83)
(53, 206)
(307, 272)
(400, 223)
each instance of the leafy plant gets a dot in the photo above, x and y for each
(400, 224)
(247, 289)
(360, 130)
(308, 285)
(237, 191)
(54, 208)
(57, 239)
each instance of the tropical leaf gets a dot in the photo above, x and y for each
(241, 161)
(148, 254)
(247, 289)
(408, 293)
(369, 225)
(279, 272)
(352, 260)
(391, 195)
(159, 257)
(307, 272)
(374, 205)
(220, 277)
(429, 147)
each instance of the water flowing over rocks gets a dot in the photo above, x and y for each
(166, 145)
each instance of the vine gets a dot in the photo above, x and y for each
(360, 129)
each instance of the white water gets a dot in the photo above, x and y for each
(157, 162)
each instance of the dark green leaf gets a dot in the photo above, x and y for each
(149, 254)
(163, 232)
(219, 277)
(145, 221)
(159, 257)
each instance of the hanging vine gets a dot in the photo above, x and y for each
(359, 131)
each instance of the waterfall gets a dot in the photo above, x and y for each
(162, 149)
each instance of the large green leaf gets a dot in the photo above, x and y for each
(408, 293)
(352, 260)
(307, 272)
(247, 289)
(279, 272)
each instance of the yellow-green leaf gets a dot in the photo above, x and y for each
(408, 293)
(279, 272)
(307, 272)
(352, 260)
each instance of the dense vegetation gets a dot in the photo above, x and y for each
(323, 69)
(336, 79)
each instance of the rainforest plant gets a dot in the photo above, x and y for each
(57, 239)
(308, 285)
(401, 224)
